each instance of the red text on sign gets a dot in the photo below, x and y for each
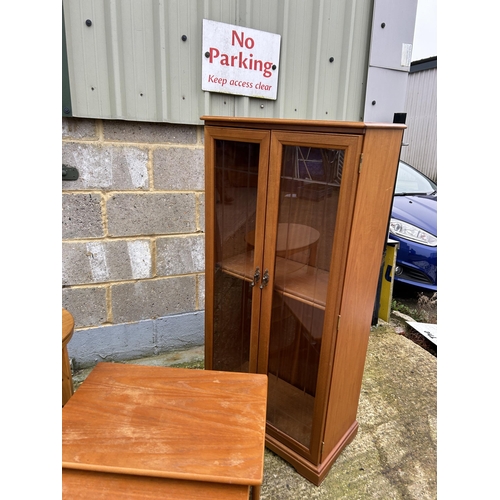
(241, 60)
(249, 42)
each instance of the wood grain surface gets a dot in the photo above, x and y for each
(167, 422)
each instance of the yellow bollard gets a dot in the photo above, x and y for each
(391, 250)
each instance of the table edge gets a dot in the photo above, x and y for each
(163, 474)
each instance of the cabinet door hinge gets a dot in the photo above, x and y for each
(322, 448)
(360, 162)
(338, 322)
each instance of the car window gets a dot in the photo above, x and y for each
(411, 181)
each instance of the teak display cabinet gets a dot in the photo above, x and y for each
(296, 223)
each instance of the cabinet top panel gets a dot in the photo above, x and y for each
(302, 125)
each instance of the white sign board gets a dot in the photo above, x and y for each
(428, 330)
(240, 61)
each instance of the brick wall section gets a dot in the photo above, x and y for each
(133, 223)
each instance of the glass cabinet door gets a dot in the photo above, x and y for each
(237, 184)
(302, 232)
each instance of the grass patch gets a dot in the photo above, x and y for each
(198, 364)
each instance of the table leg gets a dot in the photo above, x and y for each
(256, 492)
(67, 378)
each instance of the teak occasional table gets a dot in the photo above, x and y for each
(133, 431)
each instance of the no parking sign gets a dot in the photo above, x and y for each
(240, 61)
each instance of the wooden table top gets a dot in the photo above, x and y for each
(89, 485)
(197, 425)
(68, 325)
(290, 237)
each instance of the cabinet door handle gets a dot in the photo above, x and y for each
(256, 278)
(265, 279)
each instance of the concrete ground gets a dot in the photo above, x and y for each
(394, 454)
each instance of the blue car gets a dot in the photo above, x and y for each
(414, 225)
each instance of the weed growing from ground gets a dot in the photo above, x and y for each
(424, 312)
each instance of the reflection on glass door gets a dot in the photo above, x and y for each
(308, 200)
(236, 176)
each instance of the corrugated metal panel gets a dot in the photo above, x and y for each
(421, 134)
(132, 64)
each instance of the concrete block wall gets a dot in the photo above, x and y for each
(133, 238)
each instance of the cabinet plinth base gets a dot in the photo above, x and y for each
(313, 473)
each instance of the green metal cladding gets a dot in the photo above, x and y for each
(141, 60)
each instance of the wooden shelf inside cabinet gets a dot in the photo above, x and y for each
(288, 200)
(294, 280)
